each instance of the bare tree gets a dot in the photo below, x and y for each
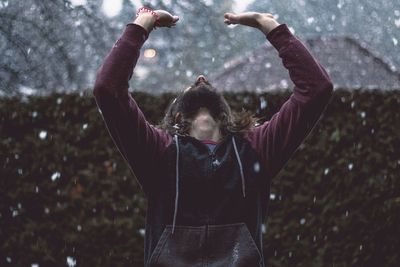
(50, 45)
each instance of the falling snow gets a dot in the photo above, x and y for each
(189, 73)
(55, 176)
(42, 135)
(142, 231)
(350, 166)
(263, 103)
(284, 84)
(256, 167)
(263, 228)
(340, 4)
(340, 23)
(71, 262)
(360, 21)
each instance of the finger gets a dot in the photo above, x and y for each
(175, 18)
(228, 15)
(270, 16)
(227, 21)
(233, 18)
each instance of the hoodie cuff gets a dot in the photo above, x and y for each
(279, 36)
(135, 34)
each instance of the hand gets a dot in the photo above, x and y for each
(166, 19)
(148, 21)
(265, 22)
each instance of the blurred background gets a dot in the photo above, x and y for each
(67, 197)
(59, 44)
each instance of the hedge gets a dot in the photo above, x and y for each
(68, 198)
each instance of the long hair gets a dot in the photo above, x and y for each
(176, 121)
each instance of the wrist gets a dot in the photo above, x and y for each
(267, 24)
(145, 20)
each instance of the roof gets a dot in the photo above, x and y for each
(350, 64)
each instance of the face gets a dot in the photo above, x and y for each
(201, 95)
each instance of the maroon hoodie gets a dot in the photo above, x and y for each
(206, 207)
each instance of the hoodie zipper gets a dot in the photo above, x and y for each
(212, 156)
(212, 168)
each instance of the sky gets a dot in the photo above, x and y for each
(113, 7)
(374, 24)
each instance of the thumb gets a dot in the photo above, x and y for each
(175, 19)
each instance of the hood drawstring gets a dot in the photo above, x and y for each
(177, 176)
(177, 181)
(240, 166)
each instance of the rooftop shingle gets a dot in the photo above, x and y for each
(349, 63)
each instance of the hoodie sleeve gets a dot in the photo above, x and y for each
(140, 143)
(277, 139)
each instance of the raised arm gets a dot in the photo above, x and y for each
(278, 138)
(140, 143)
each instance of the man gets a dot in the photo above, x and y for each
(205, 173)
